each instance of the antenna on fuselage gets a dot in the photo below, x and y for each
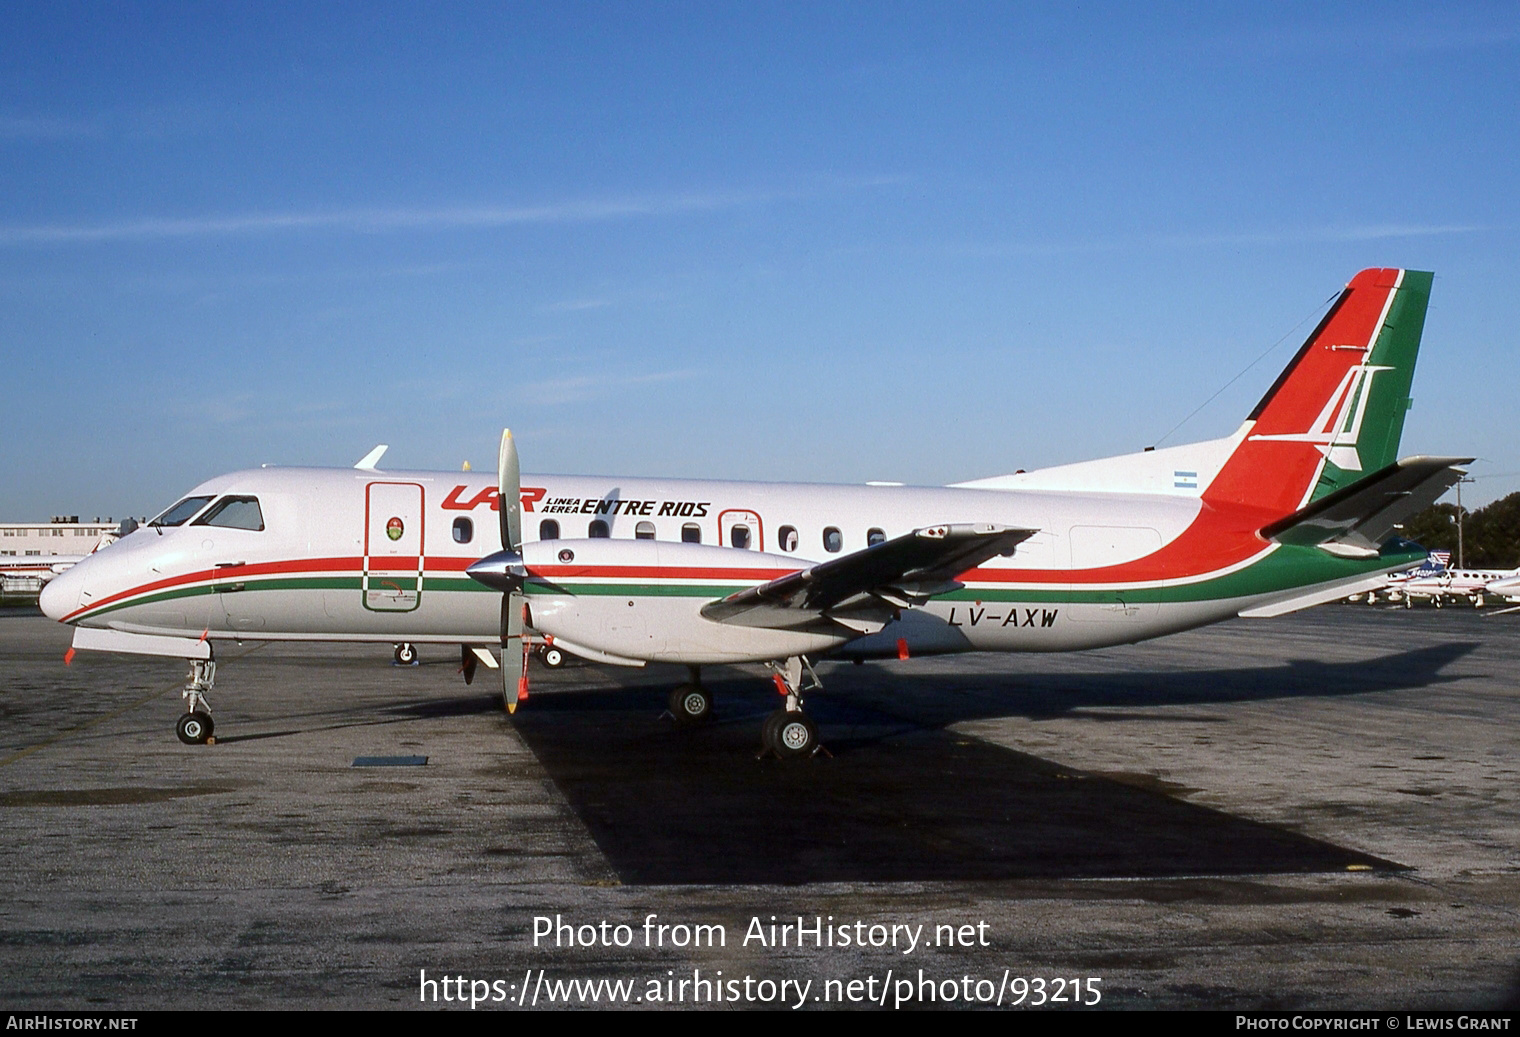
(368, 461)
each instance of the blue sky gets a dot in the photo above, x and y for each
(923, 242)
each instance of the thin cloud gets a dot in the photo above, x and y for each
(13, 127)
(372, 220)
(1289, 236)
(578, 388)
(1365, 232)
(1375, 36)
(376, 221)
(576, 305)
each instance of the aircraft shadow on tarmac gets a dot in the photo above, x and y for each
(904, 799)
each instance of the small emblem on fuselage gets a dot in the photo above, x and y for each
(394, 528)
(566, 555)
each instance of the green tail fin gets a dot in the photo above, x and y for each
(1375, 431)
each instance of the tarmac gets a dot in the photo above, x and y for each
(1312, 812)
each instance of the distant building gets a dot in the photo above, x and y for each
(60, 535)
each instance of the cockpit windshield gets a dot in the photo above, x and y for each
(234, 513)
(179, 513)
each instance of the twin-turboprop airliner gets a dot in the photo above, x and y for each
(1297, 507)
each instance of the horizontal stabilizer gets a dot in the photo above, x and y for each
(899, 573)
(1355, 520)
(1318, 596)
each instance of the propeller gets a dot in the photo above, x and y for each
(504, 571)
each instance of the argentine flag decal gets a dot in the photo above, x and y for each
(1185, 480)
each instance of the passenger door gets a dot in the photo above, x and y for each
(393, 547)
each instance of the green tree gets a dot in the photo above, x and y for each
(1490, 535)
(1435, 528)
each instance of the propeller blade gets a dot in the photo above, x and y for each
(514, 658)
(509, 492)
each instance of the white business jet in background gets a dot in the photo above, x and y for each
(1296, 508)
(1473, 584)
(1507, 588)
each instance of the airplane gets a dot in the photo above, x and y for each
(1507, 587)
(30, 574)
(1473, 584)
(1434, 564)
(1297, 507)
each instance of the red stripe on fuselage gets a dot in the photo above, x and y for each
(227, 573)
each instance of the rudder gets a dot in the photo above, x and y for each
(1336, 413)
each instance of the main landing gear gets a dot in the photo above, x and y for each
(690, 703)
(789, 733)
(195, 727)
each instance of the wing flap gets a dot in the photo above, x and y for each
(862, 589)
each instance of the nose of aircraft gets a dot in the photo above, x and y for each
(60, 595)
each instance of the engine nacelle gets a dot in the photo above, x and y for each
(642, 599)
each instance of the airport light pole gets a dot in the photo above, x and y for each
(1460, 563)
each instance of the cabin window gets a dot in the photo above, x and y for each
(598, 530)
(691, 533)
(875, 536)
(548, 529)
(464, 530)
(787, 538)
(738, 536)
(178, 513)
(833, 540)
(234, 513)
(644, 531)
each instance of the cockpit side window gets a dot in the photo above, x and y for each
(179, 512)
(234, 513)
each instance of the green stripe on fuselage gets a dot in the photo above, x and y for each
(1284, 569)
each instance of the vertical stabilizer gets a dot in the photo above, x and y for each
(1336, 413)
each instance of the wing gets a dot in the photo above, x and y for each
(1354, 520)
(863, 590)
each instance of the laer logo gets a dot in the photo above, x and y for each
(531, 495)
(1336, 429)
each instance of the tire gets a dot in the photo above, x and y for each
(194, 728)
(553, 658)
(690, 704)
(768, 729)
(794, 736)
(406, 653)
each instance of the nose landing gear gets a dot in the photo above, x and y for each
(195, 726)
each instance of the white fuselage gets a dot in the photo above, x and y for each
(1459, 583)
(358, 555)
